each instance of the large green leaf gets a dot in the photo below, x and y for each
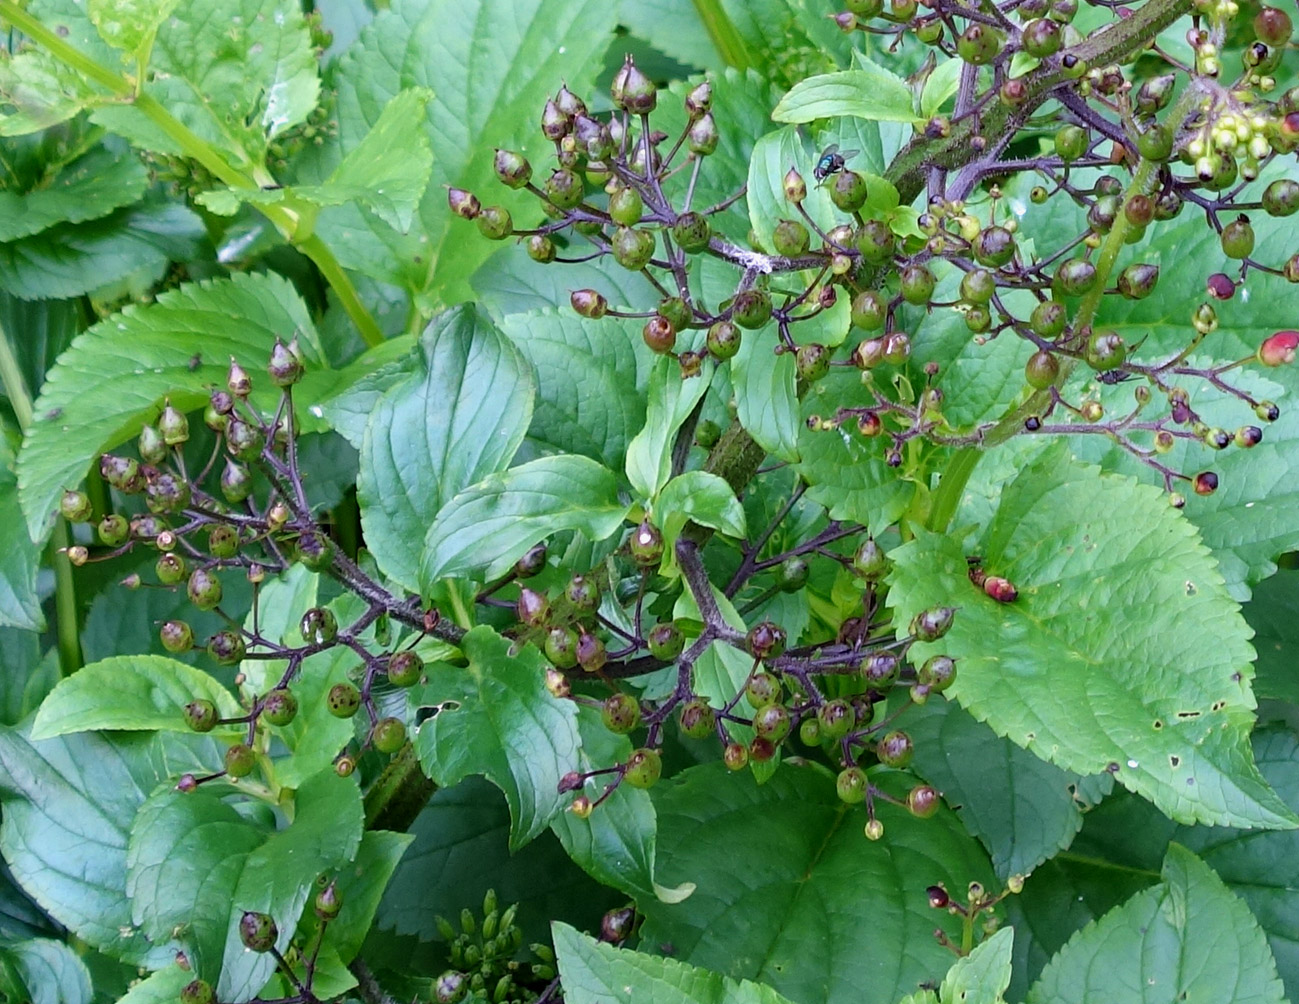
(1187, 939)
(68, 807)
(867, 92)
(590, 379)
(27, 677)
(461, 850)
(1022, 808)
(238, 73)
(50, 971)
(1119, 852)
(130, 693)
(195, 865)
(1273, 613)
(486, 528)
(1122, 654)
(458, 417)
(90, 187)
(790, 893)
(39, 91)
(114, 377)
(132, 245)
(671, 400)
(488, 84)
(593, 972)
(387, 172)
(496, 718)
(765, 394)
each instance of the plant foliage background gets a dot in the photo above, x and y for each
(430, 663)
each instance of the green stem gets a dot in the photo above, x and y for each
(196, 148)
(65, 594)
(952, 486)
(723, 34)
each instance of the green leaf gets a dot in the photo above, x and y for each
(461, 850)
(1273, 613)
(487, 82)
(777, 861)
(114, 377)
(89, 188)
(1022, 808)
(129, 24)
(486, 528)
(379, 370)
(845, 471)
(509, 282)
(387, 173)
(868, 92)
(671, 400)
(1188, 938)
(1122, 653)
(1124, 840)
(939, 86)
(590, 378)
(27, 677)
(773, 155)
(130, 693)
(238, 73)
(50, 971)
(700, 497)
(69, 259)
(38, 91)
(766, 397)
(615, 845)
(982, 976)
(68, 809)
(497, 719)
(20, 558)
(196, 864)
(162, 987)
(596, 973)
(458, 418)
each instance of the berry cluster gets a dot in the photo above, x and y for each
(244, 511)
(483, 952)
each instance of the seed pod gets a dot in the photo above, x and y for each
(1279, 349)
(285, 368)
(258, 932)
(795, 187)
(702, 137)
(176, 636)
(463, 204)
(1137, 281)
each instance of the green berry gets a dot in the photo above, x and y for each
(1075, 277)
(751, 308)
(735, 756)
(917, 283)
(809, 732)
(643, 768)
(223, 541)
(923, 801)
(875, 240)
(201, 715)
(404, 668)
(343, 700)
(870, 561)
(512, 169)
(848, 191)
(389, 735)
(692, 232)
(240, 760)
(762, 690)
(226, 647)
(258, 932)
(626, 207)
(659, 334)
(280, 707)
(995, 246)
(170, 568)
(646, 545)
(895, 749)
(1070, 143)
(1105, 351)
(978, 286)
(495, 223)
(561, 646)
(113, 530)
(812, 362)
(632, 249)
(979, 44)
(790, 238)
(318, 626)
(666, 641)
(932, 624)
(591, 654)
(173, 426)
(697, 719)
(285, 365)
(176, 636)
(329, 901)
(1041, 370)
(869, 310)
(1281, 198)
(1238, 238)
(1042, 38)
(197, 992)
(792, 574)
(851, 785)
(771, 722)
(1049, 318)
(75, 507)
(937, 673)
(723, 339)
(836, 718)
(620, 713)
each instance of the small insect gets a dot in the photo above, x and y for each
(1112, 377)
(832, 162)
(1001, 590)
